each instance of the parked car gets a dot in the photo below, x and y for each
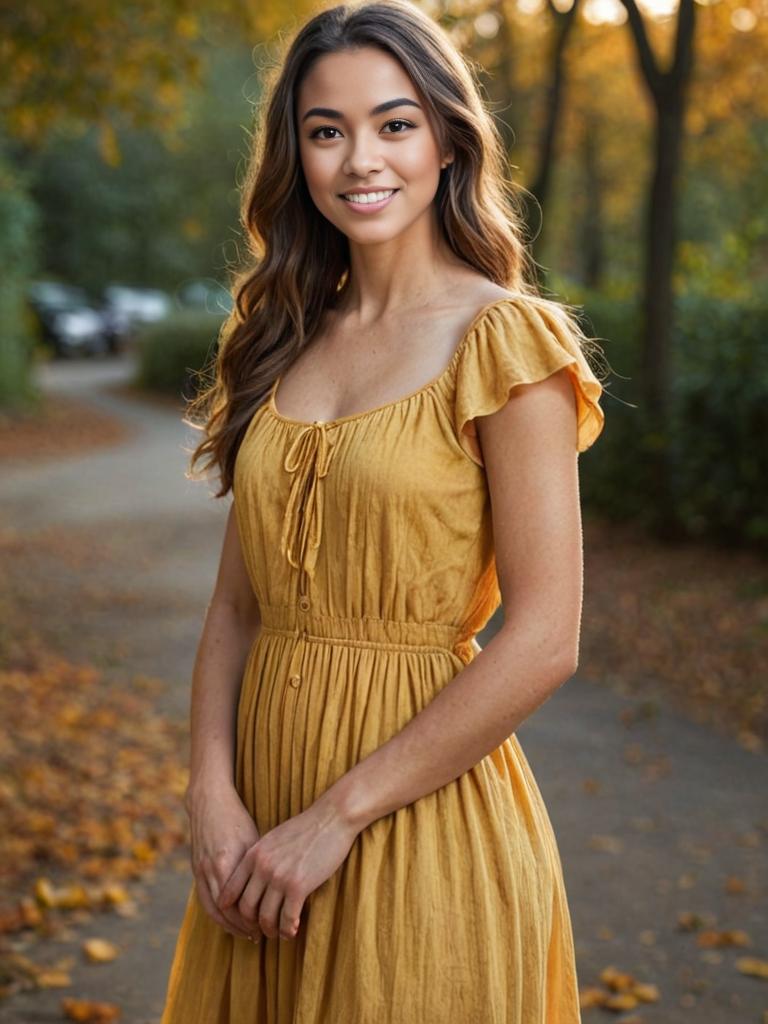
(136, 306)
(69, 321)
(118, 327)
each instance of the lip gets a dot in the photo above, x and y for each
(369, 207)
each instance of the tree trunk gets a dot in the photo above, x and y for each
(536, 202)
(592, 224)
(668, 94)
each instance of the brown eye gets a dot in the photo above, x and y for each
(399, 120)
(323, 128)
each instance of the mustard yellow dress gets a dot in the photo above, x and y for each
(369, 543)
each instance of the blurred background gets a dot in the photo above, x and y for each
(640, 135)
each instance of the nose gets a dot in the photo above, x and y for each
(363, 155)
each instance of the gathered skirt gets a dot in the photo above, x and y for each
(450, 910)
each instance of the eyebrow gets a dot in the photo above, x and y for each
(337, 115)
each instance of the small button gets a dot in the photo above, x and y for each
(294, 681)
(304, 603)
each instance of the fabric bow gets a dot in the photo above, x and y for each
(308, 458)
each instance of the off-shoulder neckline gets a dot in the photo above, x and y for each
(476, 319)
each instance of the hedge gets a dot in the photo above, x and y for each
(718, 426)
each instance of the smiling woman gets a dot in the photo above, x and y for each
(339, 159)
(369, 843)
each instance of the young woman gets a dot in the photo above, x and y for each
(399, 416)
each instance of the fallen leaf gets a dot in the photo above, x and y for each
(621, 1001)
(712, 937)
(53, 979)
(88, 1012)
(618, 981)
(100, 951)
(753, 966)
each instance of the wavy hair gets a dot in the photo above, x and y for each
(299, 261)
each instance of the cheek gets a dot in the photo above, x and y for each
(321, 176)
(419, 165)
(318, 168)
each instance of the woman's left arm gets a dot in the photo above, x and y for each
(531, 461)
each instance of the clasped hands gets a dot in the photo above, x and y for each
(274, 876)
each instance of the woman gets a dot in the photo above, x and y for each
(399, 417)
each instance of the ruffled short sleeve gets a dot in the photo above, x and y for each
(517, 341)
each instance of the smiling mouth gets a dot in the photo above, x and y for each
(366, 198)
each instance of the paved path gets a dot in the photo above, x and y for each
(652, 818)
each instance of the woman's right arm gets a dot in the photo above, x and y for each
(222, 828)
(232, 621)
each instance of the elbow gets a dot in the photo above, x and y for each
(554, 659)
(557, 669)
(555, 655)
(567, 665)
(563, 662)
(566, 659)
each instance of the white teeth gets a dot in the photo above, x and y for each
(370, 197)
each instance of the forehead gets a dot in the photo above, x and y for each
(354, 81)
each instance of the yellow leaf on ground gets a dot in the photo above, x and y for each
(619, 981)
(645, 992)
(752, 965)
(622, 1001)
(100, 951)
(89, 1012)
(731, 937)
(53, 979)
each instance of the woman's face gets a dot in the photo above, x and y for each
(363, 128)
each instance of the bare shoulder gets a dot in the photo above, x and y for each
(462, 295)
(470, 293)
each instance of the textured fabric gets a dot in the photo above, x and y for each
(368, 540)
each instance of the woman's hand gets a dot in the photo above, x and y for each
(222, 830)
(278, 872)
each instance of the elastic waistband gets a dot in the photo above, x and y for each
(363, 631)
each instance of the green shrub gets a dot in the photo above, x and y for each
(173, 351)
(720, 431)
(716, 436)
(18, 253)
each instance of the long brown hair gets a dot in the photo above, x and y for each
(300, 261)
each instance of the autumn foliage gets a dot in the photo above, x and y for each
(91, 785)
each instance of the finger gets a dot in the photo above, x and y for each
(248, 904)
(230, 913)
(269, 911)
(290, 917)
(204, 895)
(232, 889)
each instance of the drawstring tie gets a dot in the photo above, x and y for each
(308, 458)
